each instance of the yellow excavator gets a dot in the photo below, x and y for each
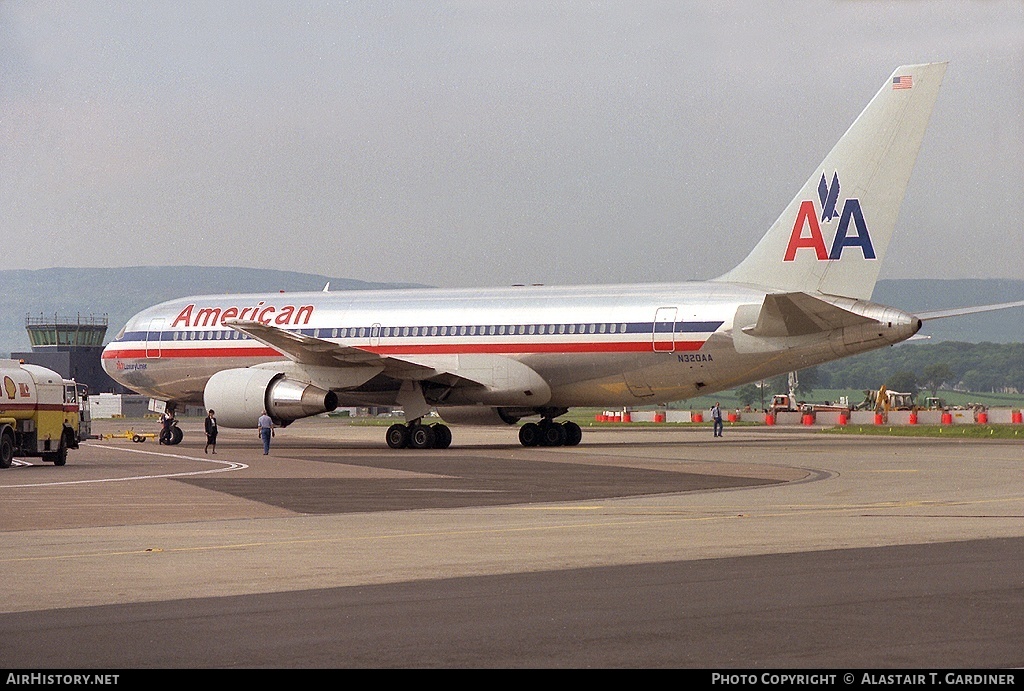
(883, 400)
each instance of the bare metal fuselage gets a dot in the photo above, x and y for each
(593, 345)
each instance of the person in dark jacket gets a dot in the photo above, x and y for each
(716, 418)
(211, 433)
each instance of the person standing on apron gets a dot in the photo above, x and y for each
(211, 432)
(716, 418)
(266, 430)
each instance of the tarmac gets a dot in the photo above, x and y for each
(643, 547)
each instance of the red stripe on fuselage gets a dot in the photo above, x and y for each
(422, 349)
(141, 353)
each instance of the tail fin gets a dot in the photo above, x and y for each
(833, 235)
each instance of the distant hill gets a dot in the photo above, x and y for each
(120, 293)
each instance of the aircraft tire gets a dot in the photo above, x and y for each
(573, 433)
(529, 434)
(421, 437)
(397, 436)
(442, 436)
(176, 436)
(553, 434)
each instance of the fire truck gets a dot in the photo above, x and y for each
(41, 413)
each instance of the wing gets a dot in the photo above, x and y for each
(494, 377)
(305, 350)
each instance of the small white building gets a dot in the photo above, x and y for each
(108, 405)
(104, 405)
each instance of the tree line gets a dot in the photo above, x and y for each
(981, 367)
(914, 368)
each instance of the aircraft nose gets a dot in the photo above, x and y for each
(108, 358)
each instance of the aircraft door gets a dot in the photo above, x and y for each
(663, 336)
(153, 337)
(375, 334)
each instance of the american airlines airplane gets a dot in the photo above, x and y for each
(504, 354)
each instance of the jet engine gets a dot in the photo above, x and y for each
(239, 397)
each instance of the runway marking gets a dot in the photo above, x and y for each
(778, 511)
(656, 517)
(453, 490)
(229, 466)
(348, 538)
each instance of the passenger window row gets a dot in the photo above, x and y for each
(466, 330)
(414, 331)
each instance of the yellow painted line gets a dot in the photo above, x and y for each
(662, 519)
(349, 539)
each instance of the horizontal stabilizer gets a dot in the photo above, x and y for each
(799, 314)
(960, 311)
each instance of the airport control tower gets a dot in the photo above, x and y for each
(70, 346)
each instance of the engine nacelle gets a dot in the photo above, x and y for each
(239, 397)
(477, 415)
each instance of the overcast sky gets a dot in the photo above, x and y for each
(487, 143)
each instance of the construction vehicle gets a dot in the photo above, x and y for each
(883, 400)
(787, 402)
(784, 403)
(41, 413)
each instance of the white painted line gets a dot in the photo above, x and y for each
(227, 466)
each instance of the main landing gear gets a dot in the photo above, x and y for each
(547, 432)
(419, 436)
(550, 433)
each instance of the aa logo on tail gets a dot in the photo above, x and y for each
(807, 230)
